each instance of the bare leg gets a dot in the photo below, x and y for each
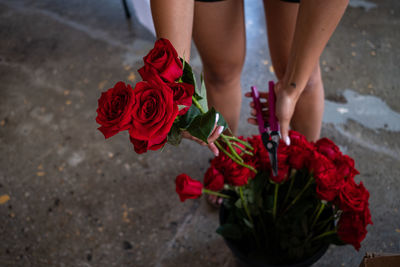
(219, 34)
(173, 20)
(281, 21)
(308, 114)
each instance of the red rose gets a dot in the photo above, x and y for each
(162, 60)
(352, 227)
(318, 163)
(261, 158)
(300, 150)
(297, 139)
(141, 146)
(328, 148)
(328, 185)
(183, 93)
(299, 157)
(283, 167)
(154, 111)
(237, 175)
(326, 177)
(233, 173)
(345, 166)
(213, 179)
(187, 187)
(353, 197)
(114, 109)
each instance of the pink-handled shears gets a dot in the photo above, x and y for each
(269, 130)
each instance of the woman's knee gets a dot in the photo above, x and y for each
(224, 74)
(315, 80)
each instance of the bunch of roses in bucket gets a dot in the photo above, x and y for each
(313, 201)
(163, 105)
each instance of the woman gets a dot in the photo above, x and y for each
(297, 35)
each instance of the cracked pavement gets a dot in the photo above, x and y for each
(78, 200)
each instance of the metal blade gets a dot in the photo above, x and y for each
(273, 157)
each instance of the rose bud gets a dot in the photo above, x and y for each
(187, 187)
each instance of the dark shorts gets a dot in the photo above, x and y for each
(291, 1)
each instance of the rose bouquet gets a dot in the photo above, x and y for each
(312, 202)
(166, 103)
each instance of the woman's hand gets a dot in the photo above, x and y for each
(286, 99)
(211, 139)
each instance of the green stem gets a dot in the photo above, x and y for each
(207, 191)
(249, 215)
(324, 234)
(292, 177)
(316, 210)
(235, 154)
(243, 149)
(234, 138)
(323, 224)
(321, 208)
(309, 182)
(275, 201)
(197, 104)
(234, 159)
(245, 205)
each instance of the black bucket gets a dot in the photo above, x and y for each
(247, 261)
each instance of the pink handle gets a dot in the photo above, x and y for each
(257, 105)
(273, 121)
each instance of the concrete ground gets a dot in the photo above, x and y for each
(78, 200)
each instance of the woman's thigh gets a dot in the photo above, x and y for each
(219, 35)
(281, 23)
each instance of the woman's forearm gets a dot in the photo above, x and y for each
(173, 20)
(316, 21)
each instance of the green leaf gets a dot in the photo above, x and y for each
(257, 184)
(231, 231)
(249, 195)
(203, 125)
(180, 107)
(201, 95)
(238, 203)
(221, 121)
(188, 75)
(248, 223)
(269, 202)
(188, 117)
(174, 135)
